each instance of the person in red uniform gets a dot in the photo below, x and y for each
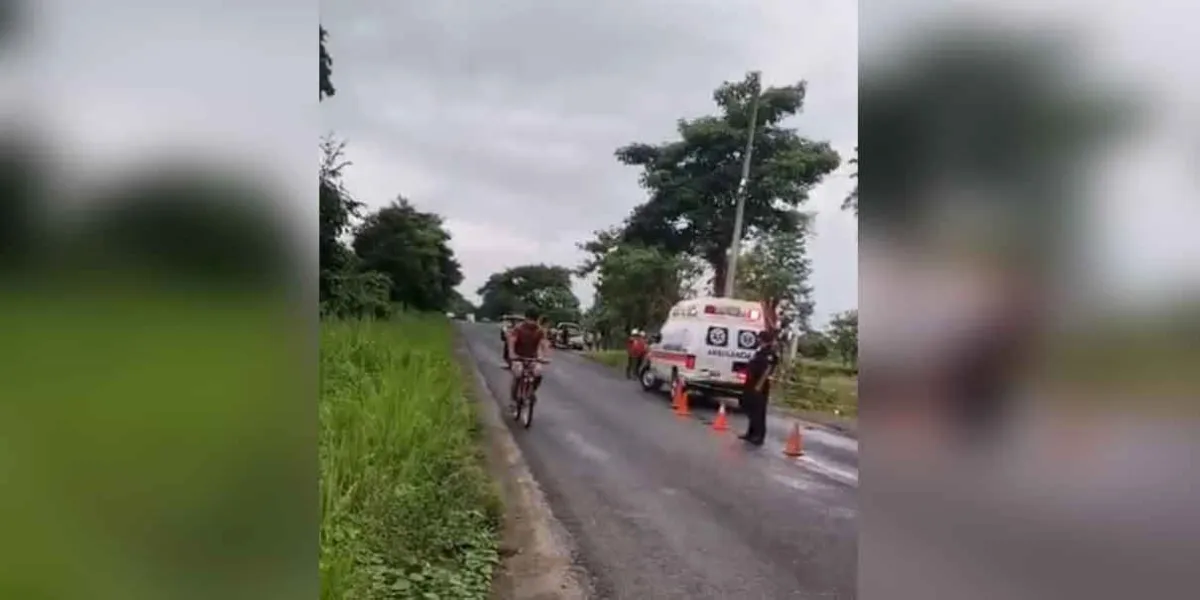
(527, 340)
(637, 352)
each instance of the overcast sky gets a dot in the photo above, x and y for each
(503, 117)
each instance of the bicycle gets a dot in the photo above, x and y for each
(522, 408)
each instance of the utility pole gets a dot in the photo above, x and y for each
(735, 246)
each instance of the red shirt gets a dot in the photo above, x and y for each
(527, 337)
(637, 347)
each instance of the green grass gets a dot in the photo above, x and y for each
(822, 386)
(156, 445)
(407, 510)
(814, 388)
(613, 358)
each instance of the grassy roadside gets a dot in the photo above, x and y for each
(822, 387)
(407, 510)
(613, 358)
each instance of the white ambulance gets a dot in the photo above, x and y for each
(707, 342)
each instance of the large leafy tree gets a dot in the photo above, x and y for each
(637, 285)
(412, 248)
(775, 271)
(544, 287)
(693, 181)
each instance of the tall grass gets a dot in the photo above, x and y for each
(616, 359)
(406, 508)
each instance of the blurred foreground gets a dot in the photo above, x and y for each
(1028, 306)
(157, 368)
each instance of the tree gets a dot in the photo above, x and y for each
(693, 181)
(599, 319)
(412, 248)
(814, 344)
(546, 288)
(851, 201)
(351, 294)
(326, 70)
(638, 285)
(344, 290)
(605, 241)
(337, 208)
(843, 331)
(775, 271)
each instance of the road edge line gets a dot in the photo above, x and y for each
(547, 569)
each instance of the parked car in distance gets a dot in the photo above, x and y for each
(568, 336)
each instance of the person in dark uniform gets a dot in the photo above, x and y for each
(758, 387)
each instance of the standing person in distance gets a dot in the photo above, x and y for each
(636, 351)
(757, 390)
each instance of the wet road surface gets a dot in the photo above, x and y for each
(661, 506)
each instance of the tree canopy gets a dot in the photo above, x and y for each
(637, 285)
(398, 254)
(775, 271)
(411, 247)
(546, 288)
(693, 181)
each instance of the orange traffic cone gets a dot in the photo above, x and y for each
(721, 423)
(681, 402)
(794, 445)
(675, 394)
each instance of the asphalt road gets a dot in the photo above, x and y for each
(662, 507)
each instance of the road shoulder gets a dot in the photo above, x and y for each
(845, 426)
(537, 553)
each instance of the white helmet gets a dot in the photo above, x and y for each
(634, 332)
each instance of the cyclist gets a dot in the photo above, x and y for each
(527, 348)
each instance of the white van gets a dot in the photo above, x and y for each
(708, 343)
